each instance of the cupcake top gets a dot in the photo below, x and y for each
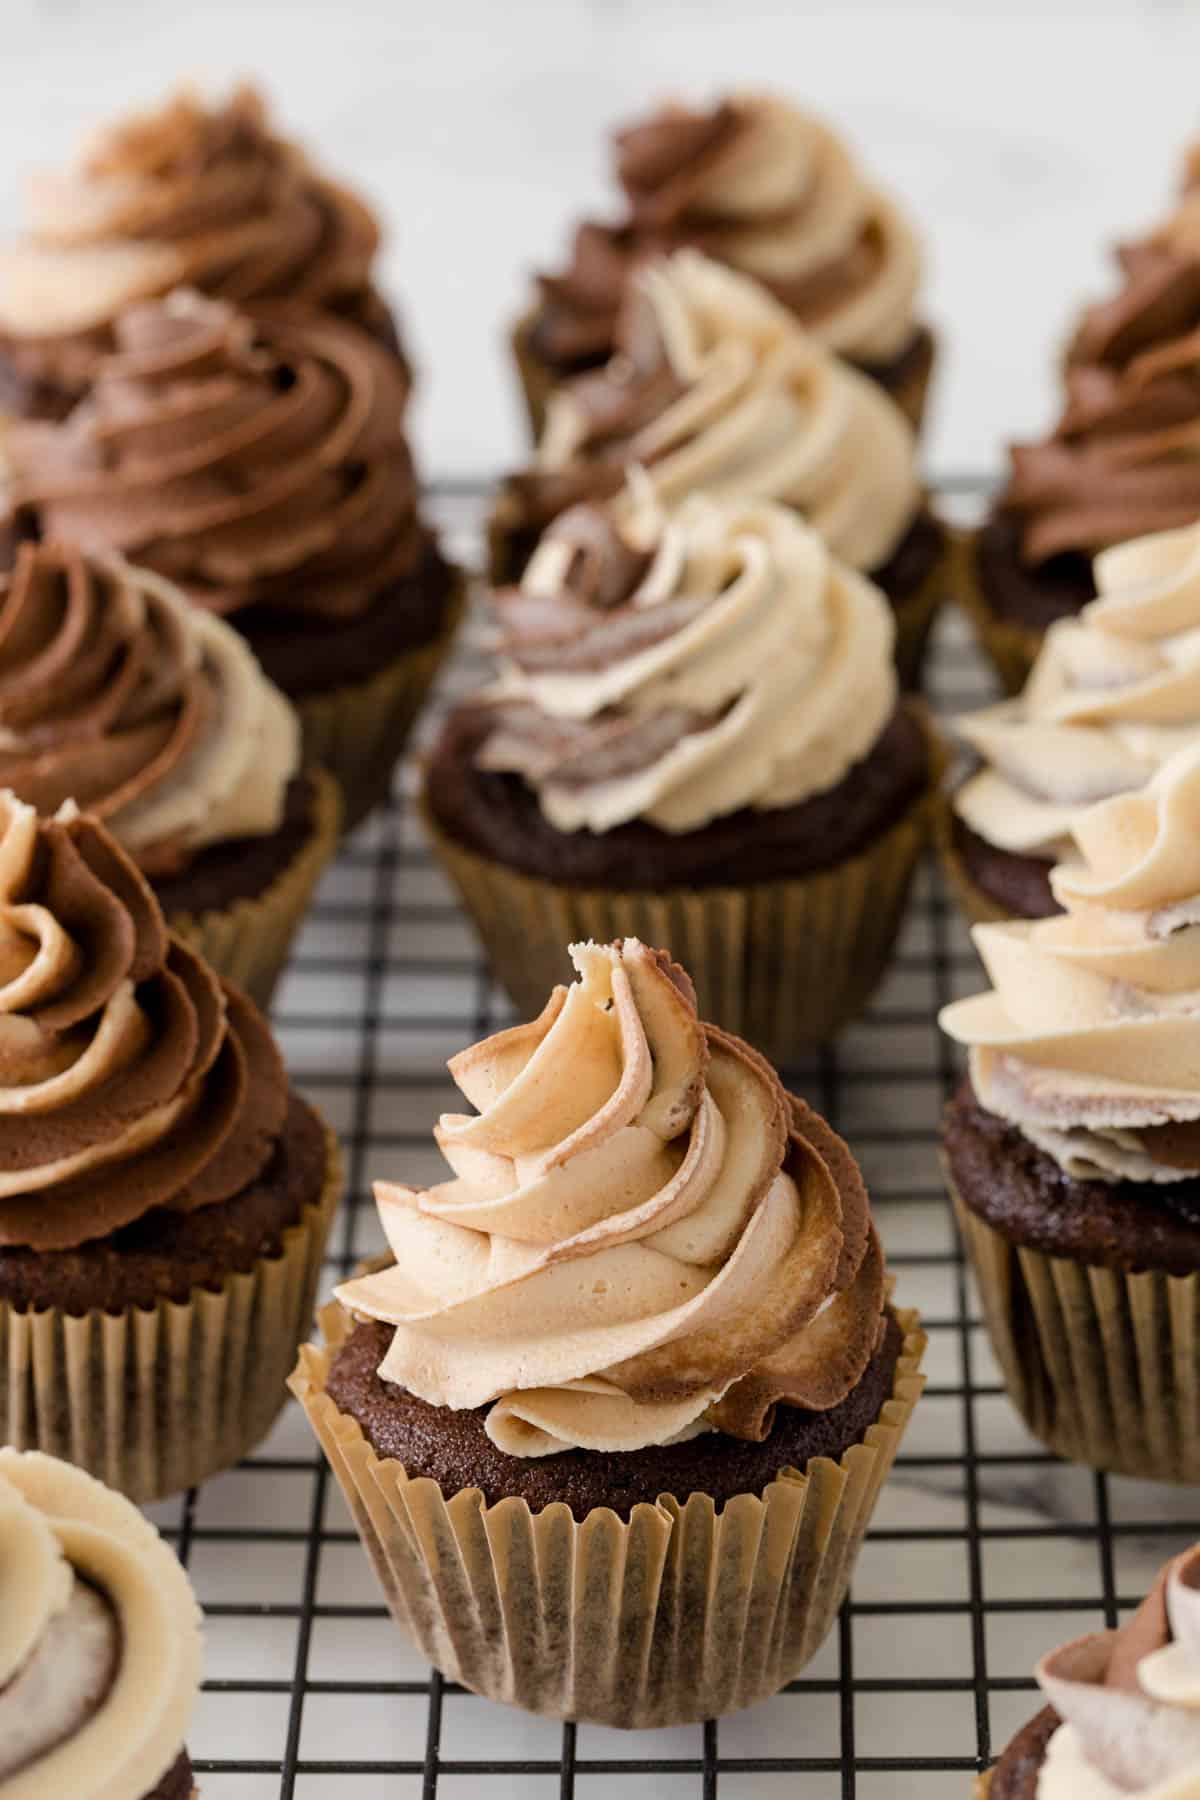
(100, 1648)
(153, 715)
(132, 1078)
(714, 386)
(255, 456)
(678, 669)
(1088, 1041)
(765, 188)
(1112, 694)
(645, 1236)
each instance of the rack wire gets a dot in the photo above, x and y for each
(984, 1551)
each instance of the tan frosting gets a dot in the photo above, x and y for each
(1112, 694)
(634, 1246)
(745, 668)
(59, 1529)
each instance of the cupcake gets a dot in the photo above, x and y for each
(164, 1195)
(631, 1493)
(769, 191)
(100, 1648)
(1122, 1712)
(256, 457)
(197, 194)
(695, 737)
(1112, 694)
(155, 717)
(715, 387)
(1073, 1148)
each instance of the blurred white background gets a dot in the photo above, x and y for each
(1025, 138)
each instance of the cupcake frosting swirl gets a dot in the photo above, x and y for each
(100, 1647)
(679, 670)
(644, 1237)
(153, 715)
(253, 456)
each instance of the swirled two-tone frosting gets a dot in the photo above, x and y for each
(256, 457)
(1112, 694)
(765, 188)
(1088, 1040)
(645, 1237)
(129, 1077)
(679, 670)
(153, 715)
(100, 1647)
(716, 388)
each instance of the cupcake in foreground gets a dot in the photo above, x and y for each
(191, 193)
(100, 1647)
(256, 457)
(1073, 1148)
(155, 717)
(1111, 696)
(1124, 1707)
(715, 388)
(165, 1196)
(613, 1422)
(773, 193)
(695, 737)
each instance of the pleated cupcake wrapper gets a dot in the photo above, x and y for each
(359, 731)
(1103, 1366)
(249, 941)
(915, 618)
(154, 1400)
(680, 1614)
(977, 907)
(1011, 648)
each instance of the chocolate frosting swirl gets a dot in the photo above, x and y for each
(255, 457)
(129, 1077)
(646, 1237)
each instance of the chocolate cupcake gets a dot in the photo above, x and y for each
(164, 1195)
(768, 190)
(256, 457)
(1113, 693)
(613, 1422)
(155, 717)
(197, 194)
(716, 388)
(100, 1648)
(1073, 1150)
(695, 736)
(1123, 1712)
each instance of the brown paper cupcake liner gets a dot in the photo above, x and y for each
(915, 617)
(683, 1613)
(249, 942)
(1103, 1366)
(977, 907)
(153, 1401)
(1010, 648)
(358, 732)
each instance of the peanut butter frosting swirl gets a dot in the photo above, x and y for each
(1112, 695)
(129, 1077)
(254, 456)
(153, 715)
(645, 1237)
(100, 1647)
(675, 670)
(768, 190)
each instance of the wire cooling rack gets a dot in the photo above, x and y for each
(985, 1549)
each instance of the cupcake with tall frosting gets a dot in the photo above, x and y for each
(715, 388)
(695, 737)
(100, 1646)
(631, 1376)
(768, 190)
(255, 456)
(1123, 1707)
(165, 1195)
(1073, 1148)
(192, 193)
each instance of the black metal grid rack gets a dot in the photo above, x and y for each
(985, 1549)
